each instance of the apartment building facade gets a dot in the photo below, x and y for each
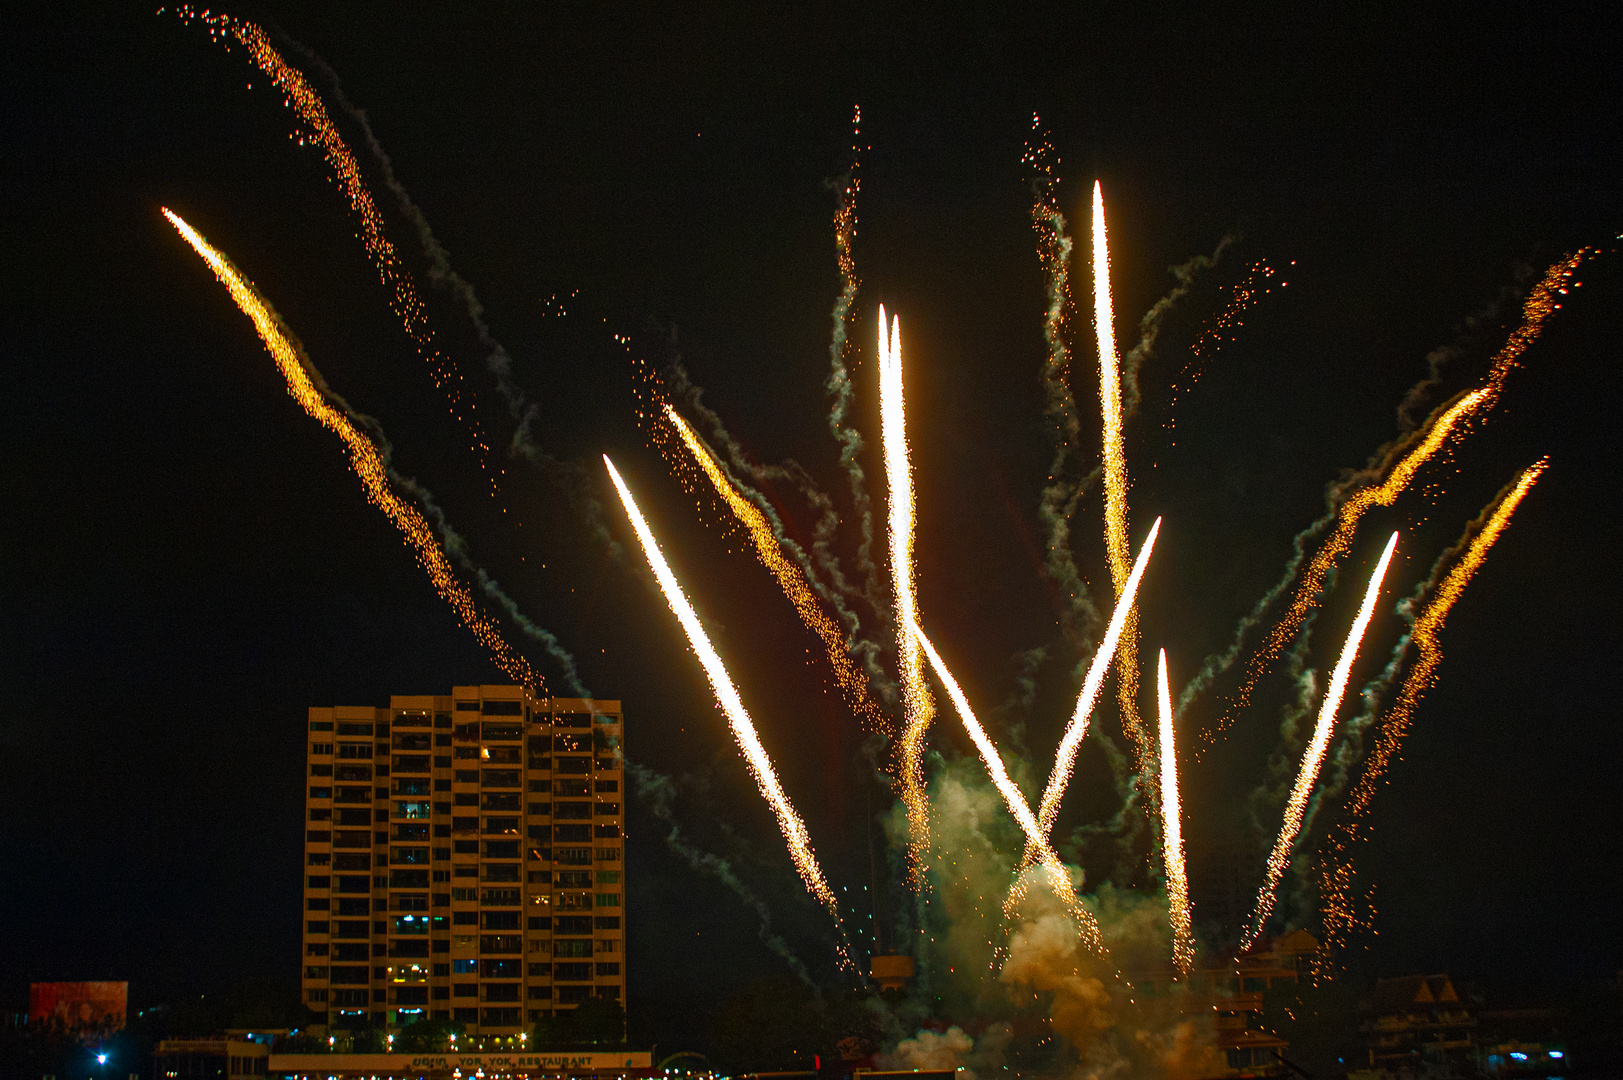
(464, 859)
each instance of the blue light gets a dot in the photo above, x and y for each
(101, 1059)
(1558, 1055)
(1517, 1056)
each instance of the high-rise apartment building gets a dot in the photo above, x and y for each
(464, 859)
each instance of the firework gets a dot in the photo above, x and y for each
(1335, 871)
(408, 307)
(363, 454)
(790, 579)
(919, 705)
(1065, 756)
(1313, 757)
(1059, 878)
(1449, 422)
(1115, 476)
(1179, 907)
(738, 719)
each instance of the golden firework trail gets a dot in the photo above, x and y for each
(363, 454)
(1313, 756)
(1335, 871)
(1115, 477)
(1077, 729)
(1178, 905)
(408, 307)
(738, 719)
(1065, 756)
(1059, 878)
(1542, 302)
(790, 579)
(918, 704)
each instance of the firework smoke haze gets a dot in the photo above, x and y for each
(1115, 476)
(1313, 757)
(738, 719)
(363, 455)
(920, 706)
(852, 684)
(1183, 938)
(1058, 877)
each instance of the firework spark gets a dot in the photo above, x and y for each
(408, 307)
(1335, 871)
(1059, 878)
(1179, 908)
(738, 719)
(852, 683)
(1313, 756)
(363, 454)
(920, 706)
(1449, 422)
(1065, 756)
(1115, 477)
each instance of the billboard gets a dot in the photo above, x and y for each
(88, 1009)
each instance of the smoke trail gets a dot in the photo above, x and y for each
(1313, 758)
(920, 705)
(1183, 938)
(852, 685)
(406, 304)
(1115, 475)
(1149, 327)
(1059, 879)
(364, 457)
(1334, 872)
(743, 728)
(1347, 498)
(659, 794)
(1064, 487)
(838, 386)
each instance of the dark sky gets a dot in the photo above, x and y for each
(188, 563)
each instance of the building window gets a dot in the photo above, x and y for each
(317, 903)
(608, 877)
(497, 944)
(501, 1017)
(574, 879)
(602, 831)
(316, 926)
(608, 899)
(500, 991)
(322, 814)
(355, 751)
(607, 809)
(315, 948)
(321, 725)
(607, 945)
(469, 990)
(501, 849)
(321, 792)
(608, 854)
(573, 995)
(317, 996)
(572, 947)
(607, 970)
(318, 881)
(503, 708)
(499, 872)
(411, 810)
(321, 770)
(354, 729)
(352, 860)
(573, 924)
(500, 897)
(540, 993)
(498, 920)
(318, 858)
(608, 922)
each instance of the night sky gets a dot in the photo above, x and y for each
(188, 563)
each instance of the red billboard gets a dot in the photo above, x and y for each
(93, 1009)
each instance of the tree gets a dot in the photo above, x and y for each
(428, 1036)
(775, 1023)
(597, 1023)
